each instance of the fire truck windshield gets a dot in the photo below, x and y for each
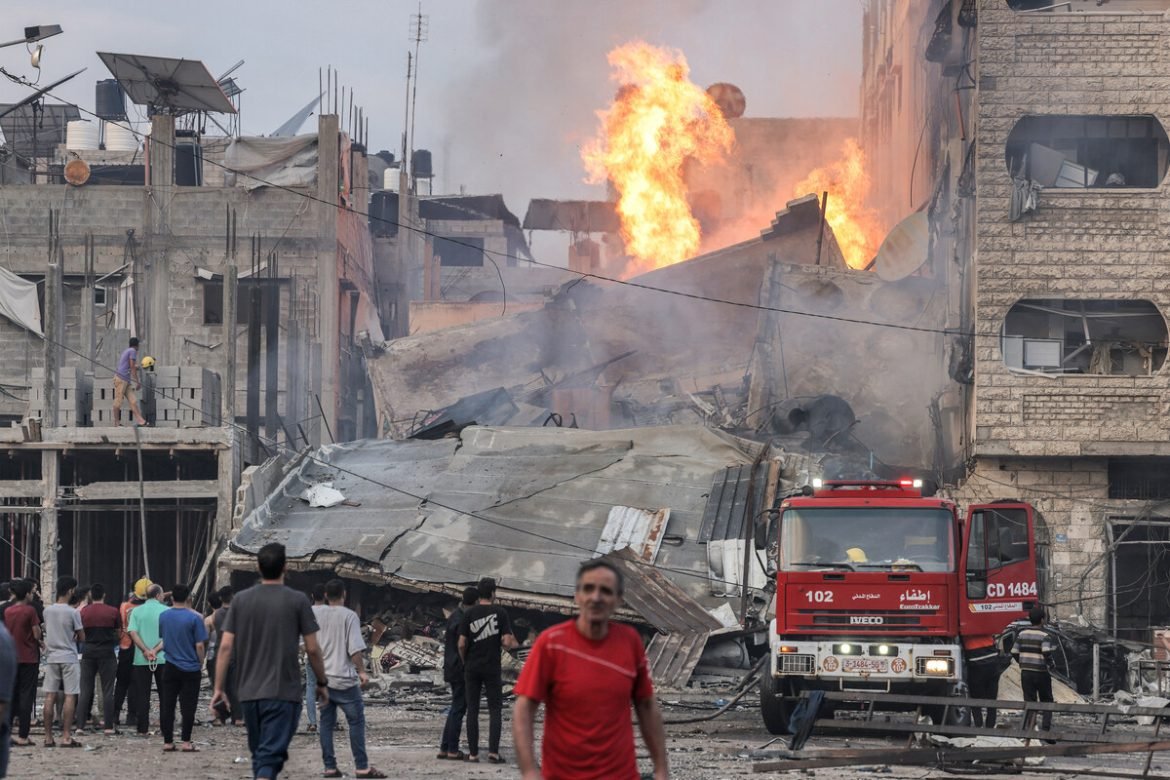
(866, 539)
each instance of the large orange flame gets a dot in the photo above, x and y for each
(857, 227)
(659, 119)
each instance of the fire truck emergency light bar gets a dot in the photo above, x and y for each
(819, 483)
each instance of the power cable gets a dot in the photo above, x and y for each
(422, 499)
(516, 258)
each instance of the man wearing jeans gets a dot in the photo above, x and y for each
(184, 638)
(342, 645)
(310, 678)
(262, 635)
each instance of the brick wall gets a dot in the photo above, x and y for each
(1082, 244)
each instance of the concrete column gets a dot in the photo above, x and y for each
(157, 341)
(328, 324)
(225, 502)
(51, 476)
(230, 288)
(54, 333)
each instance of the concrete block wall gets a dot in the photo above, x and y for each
(1104, 244)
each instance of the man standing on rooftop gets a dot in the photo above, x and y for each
(127, 383)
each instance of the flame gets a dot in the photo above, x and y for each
(659, 119)
(856, 226)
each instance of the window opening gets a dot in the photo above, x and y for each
(1139, 569)
(1111, 152)
(464, 252)
(1058, 336)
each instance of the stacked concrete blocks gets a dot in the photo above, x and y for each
(74, 397)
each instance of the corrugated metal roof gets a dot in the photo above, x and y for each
(682, 622)
(538, 498)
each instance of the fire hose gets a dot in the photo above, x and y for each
(745, 685)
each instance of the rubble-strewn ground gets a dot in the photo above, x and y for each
(403, 736)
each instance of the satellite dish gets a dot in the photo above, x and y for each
(729, 98)
(905, 249)
(76, 172)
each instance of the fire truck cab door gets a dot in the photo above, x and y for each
(999, 567)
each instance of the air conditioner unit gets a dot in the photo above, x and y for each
(1043, 353)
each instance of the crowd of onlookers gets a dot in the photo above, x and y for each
(99, 662)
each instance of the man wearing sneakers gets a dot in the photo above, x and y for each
(485, 631)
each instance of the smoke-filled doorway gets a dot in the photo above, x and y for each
(103, 542)
(1139, 570)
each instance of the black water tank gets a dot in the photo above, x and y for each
(110, 100)
(420, 164)
(188, 165)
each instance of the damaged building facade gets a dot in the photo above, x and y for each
(249, 297)
(1051, 120)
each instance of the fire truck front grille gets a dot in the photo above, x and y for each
(869, 621)
(797, 664)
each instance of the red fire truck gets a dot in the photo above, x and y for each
(879, 589)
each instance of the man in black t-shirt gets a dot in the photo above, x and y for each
(454, 676)
(485, 631)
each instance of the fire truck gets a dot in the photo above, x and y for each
(879, 589)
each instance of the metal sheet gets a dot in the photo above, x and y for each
(538, 500)
(640, 530)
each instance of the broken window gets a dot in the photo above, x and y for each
(1110, 152)
(1139, 567)
(1059, 336)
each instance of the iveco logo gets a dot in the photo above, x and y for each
(866, 620)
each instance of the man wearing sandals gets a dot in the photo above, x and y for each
(454, 676)
(588, 672)
(184, 638)
(342, 645)
(262, 636)
(62, 669)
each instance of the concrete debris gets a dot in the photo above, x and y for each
(986, 742)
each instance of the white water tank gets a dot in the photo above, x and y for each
(120, 138)
(81, 134)
(390, 178)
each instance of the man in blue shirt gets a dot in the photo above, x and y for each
(184, 638)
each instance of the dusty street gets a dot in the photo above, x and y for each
(402, 738)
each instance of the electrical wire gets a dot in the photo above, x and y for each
(516, 258)
(428, 501)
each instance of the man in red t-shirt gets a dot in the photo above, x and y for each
(587, 672)
(25, 627)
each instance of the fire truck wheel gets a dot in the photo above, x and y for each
(774, 708)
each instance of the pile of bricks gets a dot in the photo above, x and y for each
(182, 397)
(74, 397)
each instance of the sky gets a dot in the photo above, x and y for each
(508, 90)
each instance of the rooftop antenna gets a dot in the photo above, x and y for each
(419, 29)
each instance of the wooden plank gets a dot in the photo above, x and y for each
(113, 491)
(22, 488)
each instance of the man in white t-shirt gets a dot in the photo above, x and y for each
(62, 667)
(340, 636)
